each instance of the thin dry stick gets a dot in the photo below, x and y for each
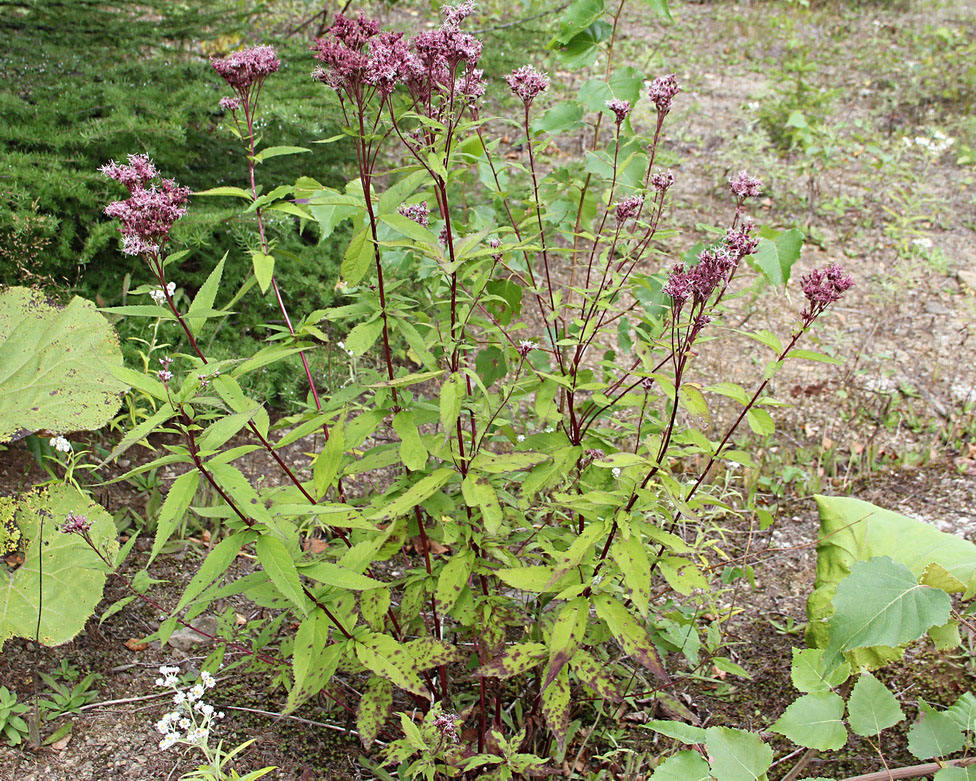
(913, 771)
(276, 716)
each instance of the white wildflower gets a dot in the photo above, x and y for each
(207, 679)
(159, 296)
(179, 698)
(170, 740)
(60, 444)
(615, 472)
(520, 438)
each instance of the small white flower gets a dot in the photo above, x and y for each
(204, 708)
(342, 346)
(60, 444)
(160, 682)
(924, 243)
(548, 429)
(171, 680)
(185, 723)
(179, 698)
(164, 670)
(520, 438)
(207, 679)
(615, 472)
(170, 740)
(198, 736)
(159, 296)
(195, 693)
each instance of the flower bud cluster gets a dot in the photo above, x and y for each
(76, 523)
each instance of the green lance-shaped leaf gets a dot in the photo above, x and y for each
(595, 676)
(452, 578)
(413, 454)
(175, 506)
(55, 365)
(314, 661)
(737, 755)
(814, 721)
(359, 255)
(430, 652)
(683, 766)
(452, 393)
(686, 733)
(556, 706)
(935, 734)
(384, 656)
(374, 709)
(871, 708)
(631, 635)
(417, 493)
(514, 660)
(277, 562)
(73, 575)
(373, 606)
(567, 632)
(881, 603)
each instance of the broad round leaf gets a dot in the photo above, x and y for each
(934, 735)
(683, 766)
(814, 721)
(54, 365)
(871, 707)
(73, 575)
(737, 755)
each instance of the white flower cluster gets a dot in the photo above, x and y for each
(60, 444)
(159, 296)
(936, 145)
(190, 721)
(342, 346)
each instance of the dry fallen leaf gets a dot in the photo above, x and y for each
(134, 645)
(315, 545)
(62, 744)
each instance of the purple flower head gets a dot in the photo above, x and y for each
(525, 346)
(822, 287)
(76, 523)
(447, 724)
(495, 243)
(678, 286)
(594, 453)
(388, 55)
(527, 83)
(139, 172)
(418, 212)
(229, 104)
(711, 270)
(741, 242)
(662, 92)
(343, 51)
(662, 181)
(455, 14)
(472, 84)
(620, 108)
(153, 206)
(246, 67)
(647, 384)
(745, 186)
(164, 375)
(629, 207)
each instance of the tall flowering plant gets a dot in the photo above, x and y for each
(509, 525)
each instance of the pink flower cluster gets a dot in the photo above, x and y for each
(247, 67)
(822, 287)
(355, 54)
(620, 108)
(701, 280)
(418, 212)
(662, 92)
(75, 523)
(153, 206)
(662, 181)
(527, 83)
(745, 186)
(629, 207)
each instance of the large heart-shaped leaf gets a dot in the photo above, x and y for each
(53, 365)
(61, 575)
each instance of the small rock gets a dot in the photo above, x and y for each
(936, 308)
(968, 278)
(184, 638)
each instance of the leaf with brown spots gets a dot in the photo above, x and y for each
(374, 709)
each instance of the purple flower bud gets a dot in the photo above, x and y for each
(629, 207)
(678, 286)
(527, 83)
(447, 724)
(418, 212)
(229, 104)
(823, 287)
(246, 67)
(525, 346)
(745, 186)
(620, 108)
(75, 523)
(662, 92)
(662, 181)
(165, 375)
(741, 242)
(647, 384)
